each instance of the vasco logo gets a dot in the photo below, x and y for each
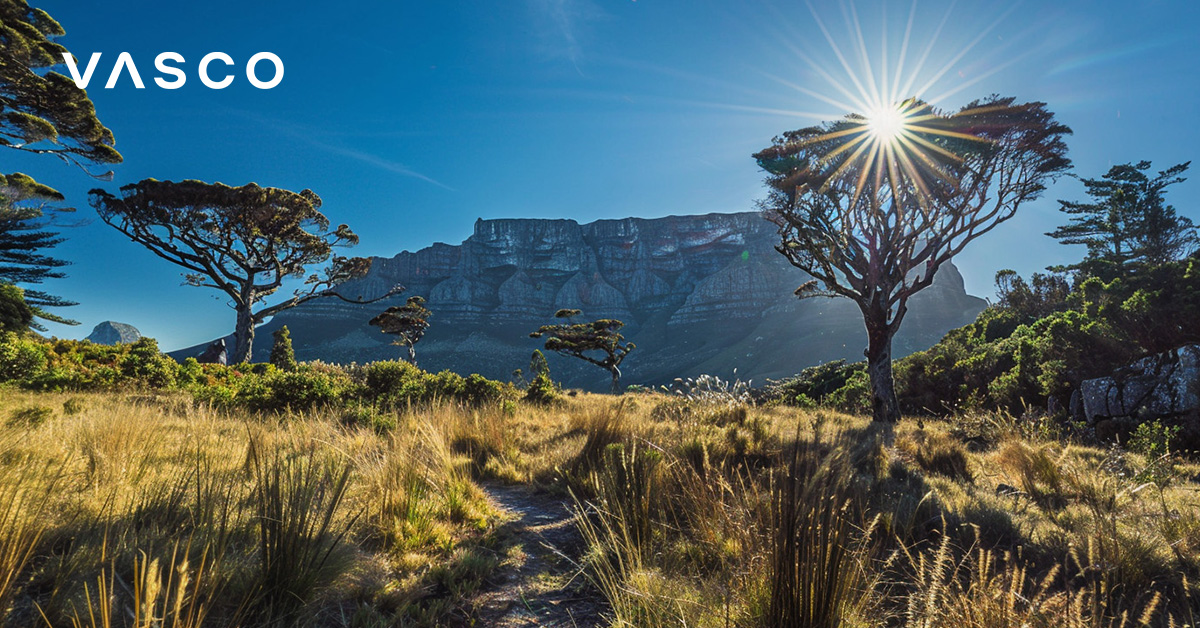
(125, 62)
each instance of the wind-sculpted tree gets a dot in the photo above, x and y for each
(407, 322)
(1128, 223)
(598, 342)
(872, 206)
(41, 112)
(244, 241)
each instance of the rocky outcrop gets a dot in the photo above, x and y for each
(1162, 386)
(112, 333)
(697, 293)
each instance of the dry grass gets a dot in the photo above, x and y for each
(149, 511)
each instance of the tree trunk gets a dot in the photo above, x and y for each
(243, 336)
(412, 354)
(616, 379)
(884, 406)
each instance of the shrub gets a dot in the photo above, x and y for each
(146, 364)
(72, 406)
(21, 358)
(298, 390)
(542, 391)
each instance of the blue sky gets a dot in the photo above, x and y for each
(412, 119)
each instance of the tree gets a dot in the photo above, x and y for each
(244, 241)
(408, 322)
(584, 340)
(1127, 224)
(41, 112)
(24, 240)
(15, 314)
(282, 354)
(871, 206)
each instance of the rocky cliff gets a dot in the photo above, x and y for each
(698, 294)
(112, 332)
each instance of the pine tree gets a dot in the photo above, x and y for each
(1127, 224)
(282, 355)
(24, 240)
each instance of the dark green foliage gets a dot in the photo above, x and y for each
(598, 342)
(24, 240)
(297, 498)
(1037, 342)
(814, 384)
(15, 313)
(1127, 225)
(72, 406)
(244, 241)
(401, 383)
(541, 390)
(145, 363)
(67, 365)
(407, 322)
(283, 357)
(42, 110)
(29, 416)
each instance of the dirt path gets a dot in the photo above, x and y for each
(537, 584)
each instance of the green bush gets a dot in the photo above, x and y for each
(21, 358)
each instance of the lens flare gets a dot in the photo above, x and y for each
(886, 124)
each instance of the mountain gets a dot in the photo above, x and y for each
(112, 332)
(698, 294)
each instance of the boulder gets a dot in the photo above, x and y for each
(1162, 386)
(114, 333)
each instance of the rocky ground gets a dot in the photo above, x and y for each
(540, 583)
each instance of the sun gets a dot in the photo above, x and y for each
(886, 123)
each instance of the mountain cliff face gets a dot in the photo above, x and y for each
(699, 294)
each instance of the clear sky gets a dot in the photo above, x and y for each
(412, 119)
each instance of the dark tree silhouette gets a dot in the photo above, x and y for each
(283, 356)
(598, 342)
(24, 240)
(1128, 222)
(41, 112)
(407, 322)
(871, 207)
(244, 241)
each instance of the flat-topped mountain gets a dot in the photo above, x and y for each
(699, 294)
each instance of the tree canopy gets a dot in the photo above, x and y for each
(244, 241)
(1128, 223)
(407, 322)
(871, 211)
(42, 111)
(599, 342)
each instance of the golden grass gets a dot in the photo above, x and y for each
(148, 510)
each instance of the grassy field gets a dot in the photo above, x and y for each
(154, 510)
